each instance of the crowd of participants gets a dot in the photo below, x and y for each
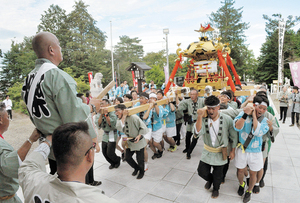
(240, 128)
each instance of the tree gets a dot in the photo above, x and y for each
(86, 42)
(126, 51)
(155, 74)
(54, 21)
(268, 60)
(17, 63)
(229, 21)
(155, 58)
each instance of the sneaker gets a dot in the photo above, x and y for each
(241, 190)
(247, 197)
(96, 183)
(256, 189)
(291, 125)
(140, 176)
(145, 166)
(154, 156)
(178, 142)
(174, 148)
(134, 173)
(184, 151)
(261, 183)
(280, 119)
(215, 194)
(188, 156)
(207, 185)
(170, 148)
(159, 154)
(111, 167)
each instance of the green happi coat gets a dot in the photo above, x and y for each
(233, 104)
(191, 107)
(133, 127)
(54, 102)
(110, 131)
(226, 136)
(9, 166)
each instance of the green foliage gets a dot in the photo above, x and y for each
(229, 21)
(267, 69)
(156, 74)
(14, 93)
(126, 51)
(17, 63)
(272, 23)
(155, 58)
(82, 86)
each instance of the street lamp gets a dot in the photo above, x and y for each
(166, 32)
(139, 69)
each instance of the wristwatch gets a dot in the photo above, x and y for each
(43, 139)
(94, 108)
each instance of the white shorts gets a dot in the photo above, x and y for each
(171, 132)
(253, 160)
(163, 127)
(157, 135)
(148, 135)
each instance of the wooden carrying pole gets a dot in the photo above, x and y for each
(127, 104)
(106, 90)
(96, 101)
(144, 107)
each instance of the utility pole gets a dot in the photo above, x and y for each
(112, 54)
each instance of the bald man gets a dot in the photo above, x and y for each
(50, 93)
(74, 152)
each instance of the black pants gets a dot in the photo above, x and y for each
(293, 117)
(89, 178)
(283, 111)
(215, 177)
(188, 139)
(177, 137)
(109, 152)
(53, 166)
(225, 169)
(9, 113)
(139, 157)
(192, 146)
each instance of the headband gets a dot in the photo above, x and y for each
(226, 96)
(262, 103)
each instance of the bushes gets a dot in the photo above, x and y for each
(14, 93)
(19, 105)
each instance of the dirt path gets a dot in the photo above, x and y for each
(19, 130)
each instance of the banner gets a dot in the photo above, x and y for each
(166, 70)
(90, 75)
(135, 84)
(116, 80)
(295, 70)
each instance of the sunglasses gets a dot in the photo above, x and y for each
(92, 147)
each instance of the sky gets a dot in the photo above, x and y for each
(144, 19)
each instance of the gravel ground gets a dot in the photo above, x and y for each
(20, 129)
